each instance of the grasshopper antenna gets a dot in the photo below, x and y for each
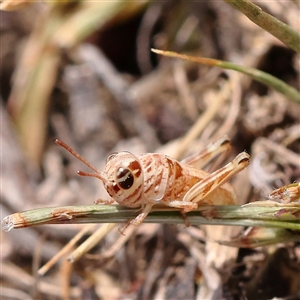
(97, 173)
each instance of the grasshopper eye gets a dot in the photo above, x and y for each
(124, 178)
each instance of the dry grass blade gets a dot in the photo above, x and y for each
(94, 239)
(43, 270)
(62, 26)
(14, 4)
(260, 236)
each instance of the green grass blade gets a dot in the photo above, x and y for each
(284, 216)
(280, 30)
(256, 74)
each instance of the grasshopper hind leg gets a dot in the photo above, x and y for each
(200, 159)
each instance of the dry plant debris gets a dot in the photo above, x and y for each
(83, 72)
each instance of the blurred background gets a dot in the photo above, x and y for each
(83, 72)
